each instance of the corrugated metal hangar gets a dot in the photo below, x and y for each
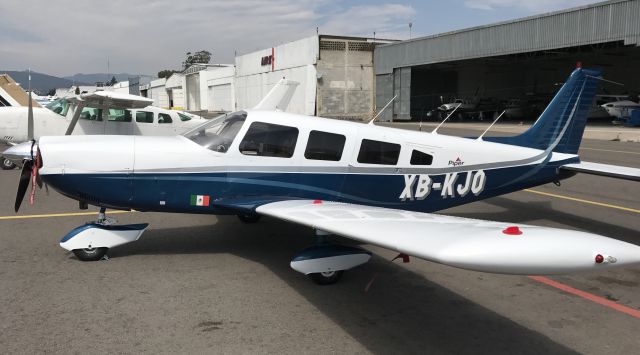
(513, 65)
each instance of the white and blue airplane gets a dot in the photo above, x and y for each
(374, 184)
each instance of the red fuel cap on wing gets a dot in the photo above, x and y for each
(513, 230)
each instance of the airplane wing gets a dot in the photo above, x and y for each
(461, 242)
(616, 171)
(112, 99)
(278, 97)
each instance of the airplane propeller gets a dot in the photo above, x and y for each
(30, 164)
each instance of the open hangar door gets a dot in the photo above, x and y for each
(522, 84)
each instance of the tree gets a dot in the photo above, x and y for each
(165, 73)
(199, 57)
(112, 81)
(51, 92)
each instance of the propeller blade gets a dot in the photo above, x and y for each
(30, 113)
(23, 184)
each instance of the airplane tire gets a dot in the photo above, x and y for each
(90, 254)
(6, 164)
(249, 218)
(326, 278)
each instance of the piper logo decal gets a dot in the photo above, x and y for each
(419, 186)
(199, 200)
(456, 162)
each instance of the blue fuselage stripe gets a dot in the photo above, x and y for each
(233, 192)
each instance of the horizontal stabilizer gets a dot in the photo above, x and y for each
(461, 242)
(615, 171)
(278, 97)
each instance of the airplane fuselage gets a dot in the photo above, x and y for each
(308, 158)
(146, 121)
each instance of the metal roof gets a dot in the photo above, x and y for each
(609, 21)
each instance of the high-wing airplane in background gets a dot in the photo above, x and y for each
(111, 113)
(102, 112)
(374, 184)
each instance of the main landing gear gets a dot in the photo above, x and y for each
(325, 263)
(91, 241)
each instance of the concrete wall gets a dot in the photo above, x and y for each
(345, 84)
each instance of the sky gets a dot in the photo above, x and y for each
(64, 37)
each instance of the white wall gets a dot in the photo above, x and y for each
(158, 93)
(213, 78)
(122, 86)
(294, 61)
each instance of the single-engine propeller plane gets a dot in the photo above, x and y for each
(374, 184)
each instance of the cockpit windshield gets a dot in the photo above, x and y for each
(218, 133)
(59, 106)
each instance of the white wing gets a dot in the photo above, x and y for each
(112, 99)
(616, 171)
(461, 242)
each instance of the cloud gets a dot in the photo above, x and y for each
(67, 36)
(531, 5)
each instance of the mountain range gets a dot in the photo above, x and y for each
(103, 77)
(42, 83)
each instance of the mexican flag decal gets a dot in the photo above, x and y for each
(199, 200)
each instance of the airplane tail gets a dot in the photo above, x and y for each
(279, 96)
(561, 125)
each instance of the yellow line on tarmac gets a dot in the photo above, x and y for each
(611, 151)
(60, 215)
(584, 201)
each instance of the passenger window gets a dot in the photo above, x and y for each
(144, 117)
(164, 118)
(91, 114)
(269, 140)
(119, 115)
(183, 117)
(420, 158)
(376, 152)
(324, 146)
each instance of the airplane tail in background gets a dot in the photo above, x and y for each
(278, 97)
(561, 125)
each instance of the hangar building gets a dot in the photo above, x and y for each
(335, 74)
(520, 62)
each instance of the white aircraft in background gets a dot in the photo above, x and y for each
(113, 113)
(374, 184)
(621, 109)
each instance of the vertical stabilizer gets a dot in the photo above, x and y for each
(561, 125)
(278, 97)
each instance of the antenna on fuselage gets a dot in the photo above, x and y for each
(445, 119)
(488, 128)
(381, 111)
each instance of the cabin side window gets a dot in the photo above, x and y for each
(377, 152)
(269, 140)
(164, 118)
(183, 117)
(60, 106)
(324, 146)
(420, 158)
(119, 115)
(144, 117)
(91, 114)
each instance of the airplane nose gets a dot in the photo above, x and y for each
(20, 152)
(92, 169)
